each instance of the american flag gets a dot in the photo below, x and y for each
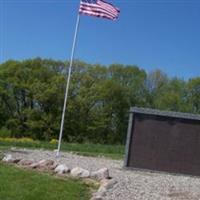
(99, 8)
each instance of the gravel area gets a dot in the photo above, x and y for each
(132, 185)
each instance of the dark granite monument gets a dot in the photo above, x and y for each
(163, 141)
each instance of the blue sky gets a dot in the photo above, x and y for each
(152, 34)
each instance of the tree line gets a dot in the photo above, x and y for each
(32, 95)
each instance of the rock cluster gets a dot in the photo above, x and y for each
(102, 175)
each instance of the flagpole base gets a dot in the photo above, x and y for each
(57, 153)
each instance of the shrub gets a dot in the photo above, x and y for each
(22, 140)
(4, 132)
(54, 141)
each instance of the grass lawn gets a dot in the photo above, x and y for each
(109, 151)
(21, 184)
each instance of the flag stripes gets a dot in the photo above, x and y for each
(99, 8)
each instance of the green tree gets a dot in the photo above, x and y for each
(193, 89)
(32, 96)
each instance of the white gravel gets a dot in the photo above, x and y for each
(132, 185)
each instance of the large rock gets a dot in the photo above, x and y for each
(26, 162)
(99, 194)
(100, 174)
(7, 158)
(101, 191)
(44, 165)
(61, 169)
(108, 183)
(80, 172)
(52, 167)
(34, 165)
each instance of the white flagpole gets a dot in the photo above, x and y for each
(67, 85)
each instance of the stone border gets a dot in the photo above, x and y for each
(102, 175)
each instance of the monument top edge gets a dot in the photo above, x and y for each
(150, 111)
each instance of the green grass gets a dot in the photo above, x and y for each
(21, 184)
(109, 151)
